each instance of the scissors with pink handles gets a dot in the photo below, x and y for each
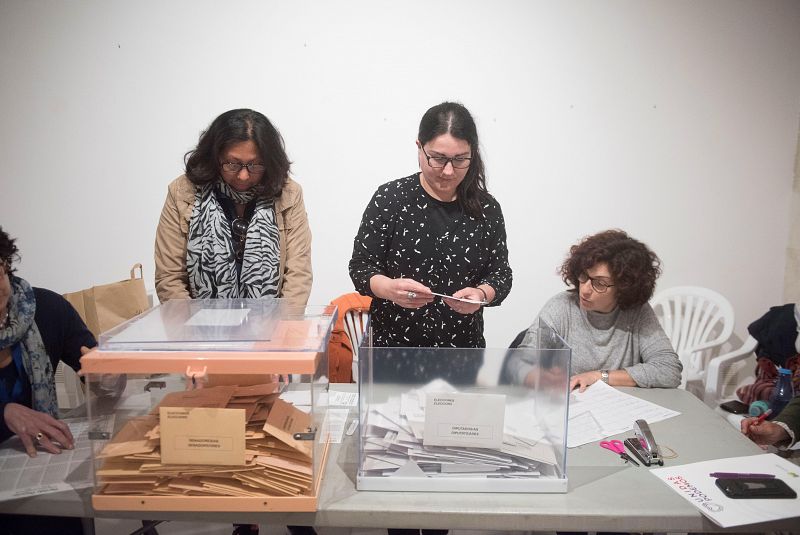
(617, 447)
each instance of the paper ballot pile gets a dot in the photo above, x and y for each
(436, 431)
(220, 441)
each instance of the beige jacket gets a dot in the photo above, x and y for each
(172, 235)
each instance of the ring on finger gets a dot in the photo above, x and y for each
(411, 296)
(39, 436)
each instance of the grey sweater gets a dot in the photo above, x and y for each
(631, 339)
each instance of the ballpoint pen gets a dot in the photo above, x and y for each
(763, 416)
(737, 475)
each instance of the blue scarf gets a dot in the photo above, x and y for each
(21, 329)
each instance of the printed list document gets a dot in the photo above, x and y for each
(24, 476)
(694, 483)
(601, 411)
(337, 398)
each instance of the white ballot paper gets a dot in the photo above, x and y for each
(461, 299)
(465, 420)
(218, 317)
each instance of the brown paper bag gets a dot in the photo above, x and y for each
(106, 306)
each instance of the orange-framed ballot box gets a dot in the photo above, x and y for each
(210, 405)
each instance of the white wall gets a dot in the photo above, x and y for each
(674, 120)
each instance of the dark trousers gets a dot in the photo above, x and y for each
(40, 525)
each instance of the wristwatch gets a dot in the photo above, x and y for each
(604, 376)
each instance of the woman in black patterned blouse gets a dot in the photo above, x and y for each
(434, 231)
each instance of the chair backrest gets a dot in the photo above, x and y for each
(697, 322)
(505, 377)
(355, 323)
(727, 372)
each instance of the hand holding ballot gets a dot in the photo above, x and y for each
(403, 292)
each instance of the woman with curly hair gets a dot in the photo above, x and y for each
(605, 317)
(38, 328)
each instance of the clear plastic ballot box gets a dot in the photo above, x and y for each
(427, 425)
(210, 405)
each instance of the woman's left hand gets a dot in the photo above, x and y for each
(615, 378)
(465, 308)
(36, 428)
(584, 380)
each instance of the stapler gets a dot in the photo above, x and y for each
(644, 445)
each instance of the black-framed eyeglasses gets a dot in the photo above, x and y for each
(239, 235)
(600, 286)
(438, 162)
(235, 167)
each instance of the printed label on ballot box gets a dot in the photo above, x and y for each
(465, 420)
(202, 436)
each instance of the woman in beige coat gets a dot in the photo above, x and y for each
(235, 225)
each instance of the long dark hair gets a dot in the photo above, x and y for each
(633, 266)
(454, 119)
(236, 126)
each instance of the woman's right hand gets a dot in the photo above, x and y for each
(545, 377)
(36, 428)
(406, 293)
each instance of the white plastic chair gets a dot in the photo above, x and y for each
(697, 322)
(355, 323)
(721, 373)
(723, 378)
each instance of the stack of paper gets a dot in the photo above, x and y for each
(436, 431)
(601, 411)
(220, 441)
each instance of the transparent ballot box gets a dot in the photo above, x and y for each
(210, 405)
(426, 424)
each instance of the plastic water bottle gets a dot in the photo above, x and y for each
(783, 392)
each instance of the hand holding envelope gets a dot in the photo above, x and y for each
(459, 299)
(465, 301)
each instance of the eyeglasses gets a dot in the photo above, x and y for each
(600, 286)
(235, 167)
(239, 233)
(438, 162)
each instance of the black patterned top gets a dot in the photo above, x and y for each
(407, 233)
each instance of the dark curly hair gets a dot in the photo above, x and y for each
(237, 126)
(633, 266)
(8, 251)
(454, 119)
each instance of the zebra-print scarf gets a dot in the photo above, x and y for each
(210, 251)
